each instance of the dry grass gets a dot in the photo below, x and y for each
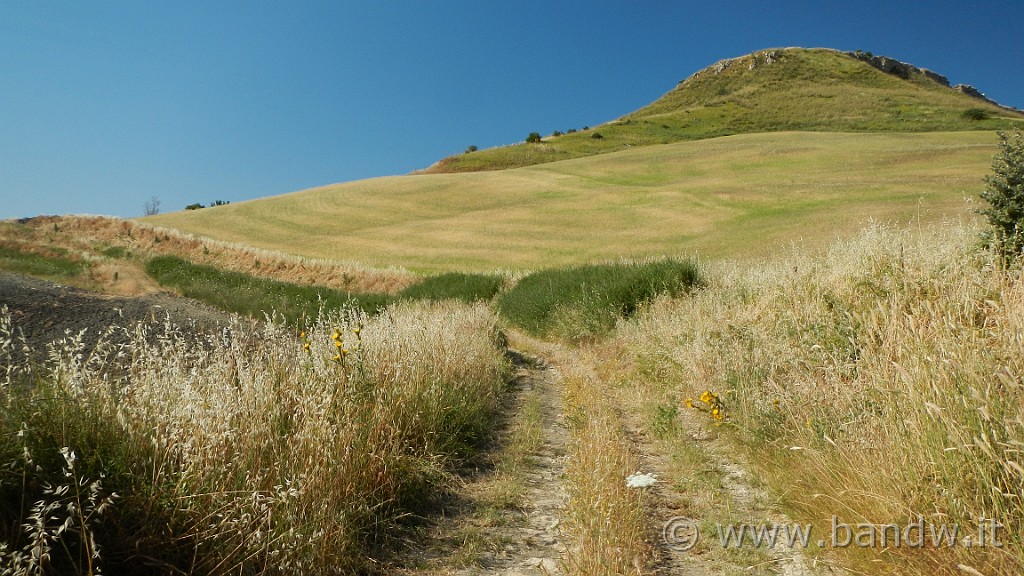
(738, 196)
(255, 452)
(89, 236)
(878, 381)
(605, 518)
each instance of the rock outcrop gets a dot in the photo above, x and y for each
(897, 68)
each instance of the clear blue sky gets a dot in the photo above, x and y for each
(105, 104)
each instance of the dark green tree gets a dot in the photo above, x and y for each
(533, 138)
(1004, 192)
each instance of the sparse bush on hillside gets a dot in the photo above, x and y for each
(976, 114)
(533, 138)
(1004, 192)
(597, 135)
(151, 207)
(196, 206)
(471, 148)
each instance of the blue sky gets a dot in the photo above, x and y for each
(106, 104)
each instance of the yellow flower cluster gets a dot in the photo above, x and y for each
(714, 404)
(341, 351)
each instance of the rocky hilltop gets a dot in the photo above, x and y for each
(779, 89)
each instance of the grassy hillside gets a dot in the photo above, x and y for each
(768, 91)
(743, 195)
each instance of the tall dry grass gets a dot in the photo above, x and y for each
(256, 451)
(879, 381)
(605, 519)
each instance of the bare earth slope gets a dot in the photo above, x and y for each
(44, 311)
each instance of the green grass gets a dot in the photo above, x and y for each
(455, 286)
(254, 297)
(117, 252)
(585, 301)
(742, 196)
(52, 265)
(815, 90)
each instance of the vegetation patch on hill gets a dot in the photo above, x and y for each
(768, 91)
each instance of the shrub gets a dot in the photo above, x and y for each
(1004, 192)
(196, 206)
(533, 138)
(585, 301)
(455, 286)
(975, 114)
(596, 135)
(471, 148)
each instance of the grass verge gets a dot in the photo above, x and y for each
(48, 263)
(251, 296)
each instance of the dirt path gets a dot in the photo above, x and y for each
(536, 538)
(505, 520)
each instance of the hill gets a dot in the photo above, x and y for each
(770, 91)
(743, 195)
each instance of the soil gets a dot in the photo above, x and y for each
(43, 312)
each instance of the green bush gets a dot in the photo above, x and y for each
(975, 114)
(586, 301)
(533, 138)
(1004, 192)
(455, 286)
